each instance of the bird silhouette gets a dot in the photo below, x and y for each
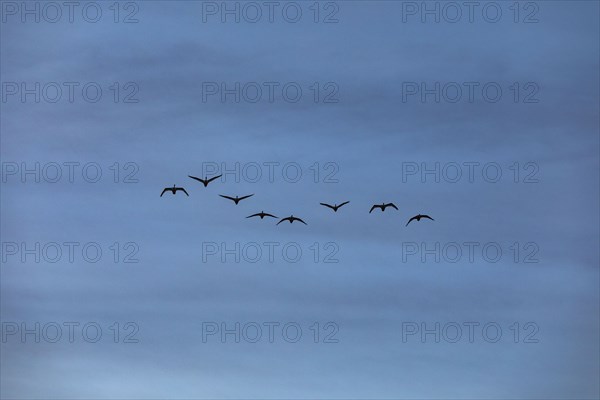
(262, 214)
(418, 218)
(335, 206)
(236, 199)
(205, 181)
(173, 190)
(291, 218)
(383, 206)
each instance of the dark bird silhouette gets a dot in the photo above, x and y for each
(205, 181)
(418, 218)
(262, 214)
(291, 218)
(174, 190)
(335, 206)
(236, 199)
(383, 206)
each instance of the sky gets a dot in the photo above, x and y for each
(486, 119)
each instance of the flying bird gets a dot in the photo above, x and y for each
(236, 199)
(418, 218)
(383, 206)
(205, 181)
(174, 190)
(335, 206)
(291, 218)
(261, 214)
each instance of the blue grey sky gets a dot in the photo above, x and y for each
(369, 136)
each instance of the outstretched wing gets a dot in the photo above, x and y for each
(163, 192)
(374, 207)
(227, 197)
(428, 217)
(391, 205)
(245, 197)
(198, 179)
(410, 220)
(327, 205)
(270, 215)
(346, 202)
(283, 219)
(213, 178)
(298, 219)
(253, 215)
(184, 191)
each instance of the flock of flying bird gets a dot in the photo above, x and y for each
(291, 218)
